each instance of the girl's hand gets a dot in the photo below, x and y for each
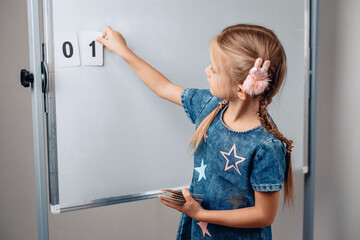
(191, 208)
(114, 41)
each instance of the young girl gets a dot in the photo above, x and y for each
(240, 158)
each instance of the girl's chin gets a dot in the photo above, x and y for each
(216, 95)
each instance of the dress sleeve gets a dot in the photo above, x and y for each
(269, 167)
(194, 100)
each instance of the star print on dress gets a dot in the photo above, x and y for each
(201, 170)
(203, 226)
(237, 200)
(231, 155)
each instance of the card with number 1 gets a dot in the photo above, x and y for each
(91, 52)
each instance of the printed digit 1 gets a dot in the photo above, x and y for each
(71, 50)
(92, 44)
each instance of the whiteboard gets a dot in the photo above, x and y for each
(110, 139)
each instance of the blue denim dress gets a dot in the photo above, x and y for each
(228, 167)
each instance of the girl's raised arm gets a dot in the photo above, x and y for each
(152, 78)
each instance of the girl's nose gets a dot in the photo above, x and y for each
(207, 71)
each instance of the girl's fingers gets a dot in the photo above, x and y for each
(101, 40)
(187, 195)
(169, 204)
(108, 28)
(106, 31)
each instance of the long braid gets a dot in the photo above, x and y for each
(200, 133)
(269, 126)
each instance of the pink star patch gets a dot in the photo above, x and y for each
(203, 226)
(227, 155)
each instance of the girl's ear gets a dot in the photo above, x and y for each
(241, 93)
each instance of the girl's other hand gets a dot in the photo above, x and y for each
(191, 208)
(114, 41)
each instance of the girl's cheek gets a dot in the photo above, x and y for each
(212, 76)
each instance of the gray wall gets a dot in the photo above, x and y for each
(337, 195)
(337, 210)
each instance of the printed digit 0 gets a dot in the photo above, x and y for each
(71, 50)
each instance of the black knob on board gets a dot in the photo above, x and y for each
(26, 78)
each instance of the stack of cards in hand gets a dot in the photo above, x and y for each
(176, 197)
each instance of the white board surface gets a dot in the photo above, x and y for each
(114, 136)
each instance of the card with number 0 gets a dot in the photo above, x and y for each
(66, 49)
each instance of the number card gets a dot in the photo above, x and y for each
(91, 52)
(66, 49)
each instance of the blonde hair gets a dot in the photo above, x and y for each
(235, 50)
